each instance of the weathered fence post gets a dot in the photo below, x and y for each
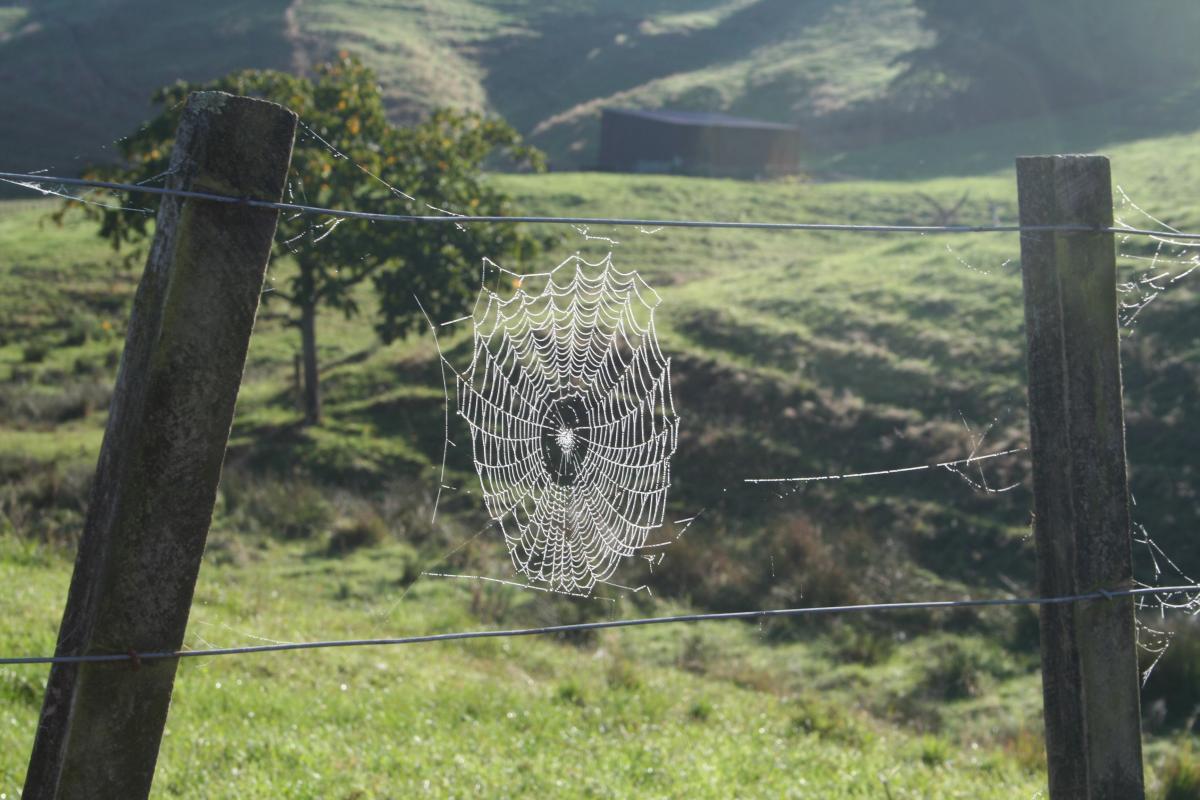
(1081, 494)
(156, 479)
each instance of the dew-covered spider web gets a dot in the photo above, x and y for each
(1152, 269)
(1158, 263)
(572, 425)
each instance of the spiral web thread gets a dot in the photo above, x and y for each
(568, 398)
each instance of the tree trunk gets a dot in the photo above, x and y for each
(312, 380)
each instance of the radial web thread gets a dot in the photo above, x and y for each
(568, 398)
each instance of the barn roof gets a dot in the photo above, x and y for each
(703, 119)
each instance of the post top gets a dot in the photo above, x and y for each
(215, 100)
(1064, 157)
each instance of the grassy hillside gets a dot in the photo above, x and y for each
(788, 61)
(792, 354)
(1158, 125)
(78, 75)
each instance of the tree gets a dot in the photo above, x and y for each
(350, 156)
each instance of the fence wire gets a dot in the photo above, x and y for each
(34, 182)
(135, 658)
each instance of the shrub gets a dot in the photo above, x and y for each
(955, 674)
(933, 751)
(365, 529)
(23, 690)
(79, 400)
(35, 352)
(289, 509)
(726, 566)
(71, 399)
(860, 644)
(44, 500)
(86, 365)
(1171, 692)
(490, 603)
(546, 608)
(571, 693)
(407, 507)
(826, 721)
(623, 674)
(80, 331)
(224, 549)
(695, 653)
(1025, 631)
(700, 711)
(1027, 746)
(958, 668)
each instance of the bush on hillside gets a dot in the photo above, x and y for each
(788, 563)
(1171, 692)
(44, 501)
(365, 529)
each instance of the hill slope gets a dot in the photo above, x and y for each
(793, 354)
(76, 75)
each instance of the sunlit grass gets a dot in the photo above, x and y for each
(520, 717)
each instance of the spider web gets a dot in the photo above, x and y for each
(1152, 268)
(1158, 268)
(568, 400)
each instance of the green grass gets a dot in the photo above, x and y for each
(616, 716)
(82, 76)
(792, 354)
(696, 711)
(1157, 125)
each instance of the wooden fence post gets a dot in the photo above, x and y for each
(156, 479)
(1081, 494)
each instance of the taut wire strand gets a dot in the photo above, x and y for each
(34, 181)
(592, 626)
(897, 471)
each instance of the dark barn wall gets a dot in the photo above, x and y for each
(745, 152)
(639, 143)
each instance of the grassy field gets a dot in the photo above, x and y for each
(792, 354)
(695, 712)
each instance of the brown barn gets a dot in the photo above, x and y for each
(696, 143)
